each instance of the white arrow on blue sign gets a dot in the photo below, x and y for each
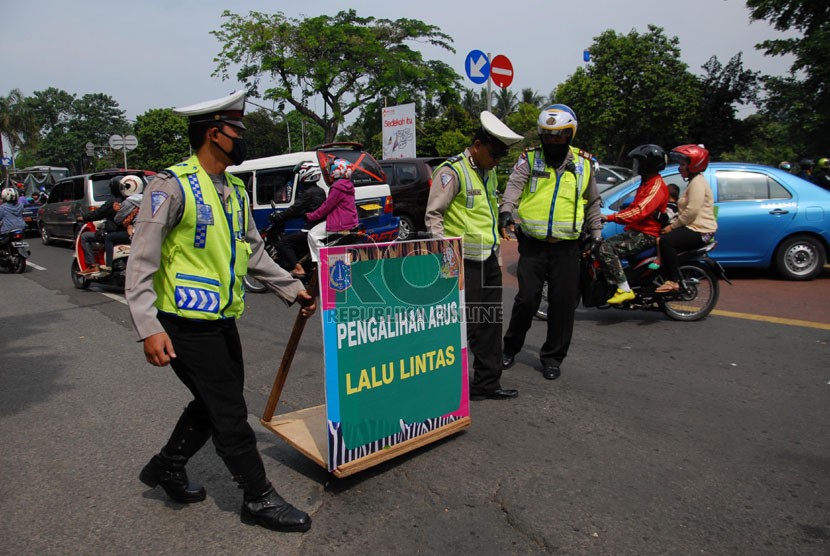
(7, 161)
(477, 66)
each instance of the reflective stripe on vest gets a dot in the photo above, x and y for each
(470, 215)
(205, 255)
(552, 205)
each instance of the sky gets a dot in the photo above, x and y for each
(159, 53)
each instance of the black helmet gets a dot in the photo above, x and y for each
(807, 164)
(648, 159)
(115, 187)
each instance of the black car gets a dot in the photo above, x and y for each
(410, 180)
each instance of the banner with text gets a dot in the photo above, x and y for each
(395, 343)
(398, 131)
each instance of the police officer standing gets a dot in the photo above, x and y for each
(555, 190)
(195, 239)
(462, 203)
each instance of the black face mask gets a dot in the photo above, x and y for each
(554, 153)
(238, 151)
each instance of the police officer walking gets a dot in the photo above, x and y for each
(195, 238)
(462, 203)
(555, 190)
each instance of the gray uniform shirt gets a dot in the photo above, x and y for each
(154, 221)
(520, 177)
(445, 186)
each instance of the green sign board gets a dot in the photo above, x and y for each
(395, 344)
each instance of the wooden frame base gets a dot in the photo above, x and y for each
(306, 430)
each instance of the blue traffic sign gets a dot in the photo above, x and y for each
(477, 66)
(7, 161)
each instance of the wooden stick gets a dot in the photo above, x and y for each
(288, 355)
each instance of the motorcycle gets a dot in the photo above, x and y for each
(273, 233)
(699, 283)
(14, 252)
(116, 277)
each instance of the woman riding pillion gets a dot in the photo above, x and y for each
(338, 210)
(695, 224)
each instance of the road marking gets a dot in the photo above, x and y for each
(776, 320)
(35, 266)
(115, 297)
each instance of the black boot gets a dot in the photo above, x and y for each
(168, 471)
(272, 512)
(167, 468)
(261, 505)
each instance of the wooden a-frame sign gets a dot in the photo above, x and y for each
(308, 430)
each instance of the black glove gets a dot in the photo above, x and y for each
(505, 220)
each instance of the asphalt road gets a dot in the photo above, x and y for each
(660, 438)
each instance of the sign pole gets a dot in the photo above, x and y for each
(489, 84)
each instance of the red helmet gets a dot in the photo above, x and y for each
(697, 156)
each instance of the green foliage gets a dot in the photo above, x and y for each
(451, 142)
(345, 60)
(722, 89)
(17, 122)
(769, 143)
(636, 91)
(68, 123)
(524, 120)
(809, 124)
(506, 102)
(162, 140)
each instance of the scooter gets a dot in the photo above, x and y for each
(273, 234)
(699, 283)
(14, 252)
(116, 277)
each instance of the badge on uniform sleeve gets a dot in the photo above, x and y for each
(157, 199)
(204, 215)
(445, 180)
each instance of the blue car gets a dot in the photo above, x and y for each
(767, 218)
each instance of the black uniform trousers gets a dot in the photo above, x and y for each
(483, 300)
(558, 264)
(209, 363)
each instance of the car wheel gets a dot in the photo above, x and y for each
(406, 229)
(800, 258)
(44, 235)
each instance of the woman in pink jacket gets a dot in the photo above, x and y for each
(338, 210)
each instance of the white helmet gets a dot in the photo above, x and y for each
(557, 119)
(130, 185)
(9, 195)
(308, 172)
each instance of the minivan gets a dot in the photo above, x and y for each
(271, 180)
(58, 217)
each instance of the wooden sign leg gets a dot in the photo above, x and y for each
(288, 355)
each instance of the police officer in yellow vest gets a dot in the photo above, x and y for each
(462, 203)
(555, 191)
(195, 239)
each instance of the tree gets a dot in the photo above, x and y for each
(506, 103)
(723, 88)
(345, 60)
(636, 91)
(69, 125)
(162, 140)
(810, 127)
(529, 96)
(17, 123)
(474, 102)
